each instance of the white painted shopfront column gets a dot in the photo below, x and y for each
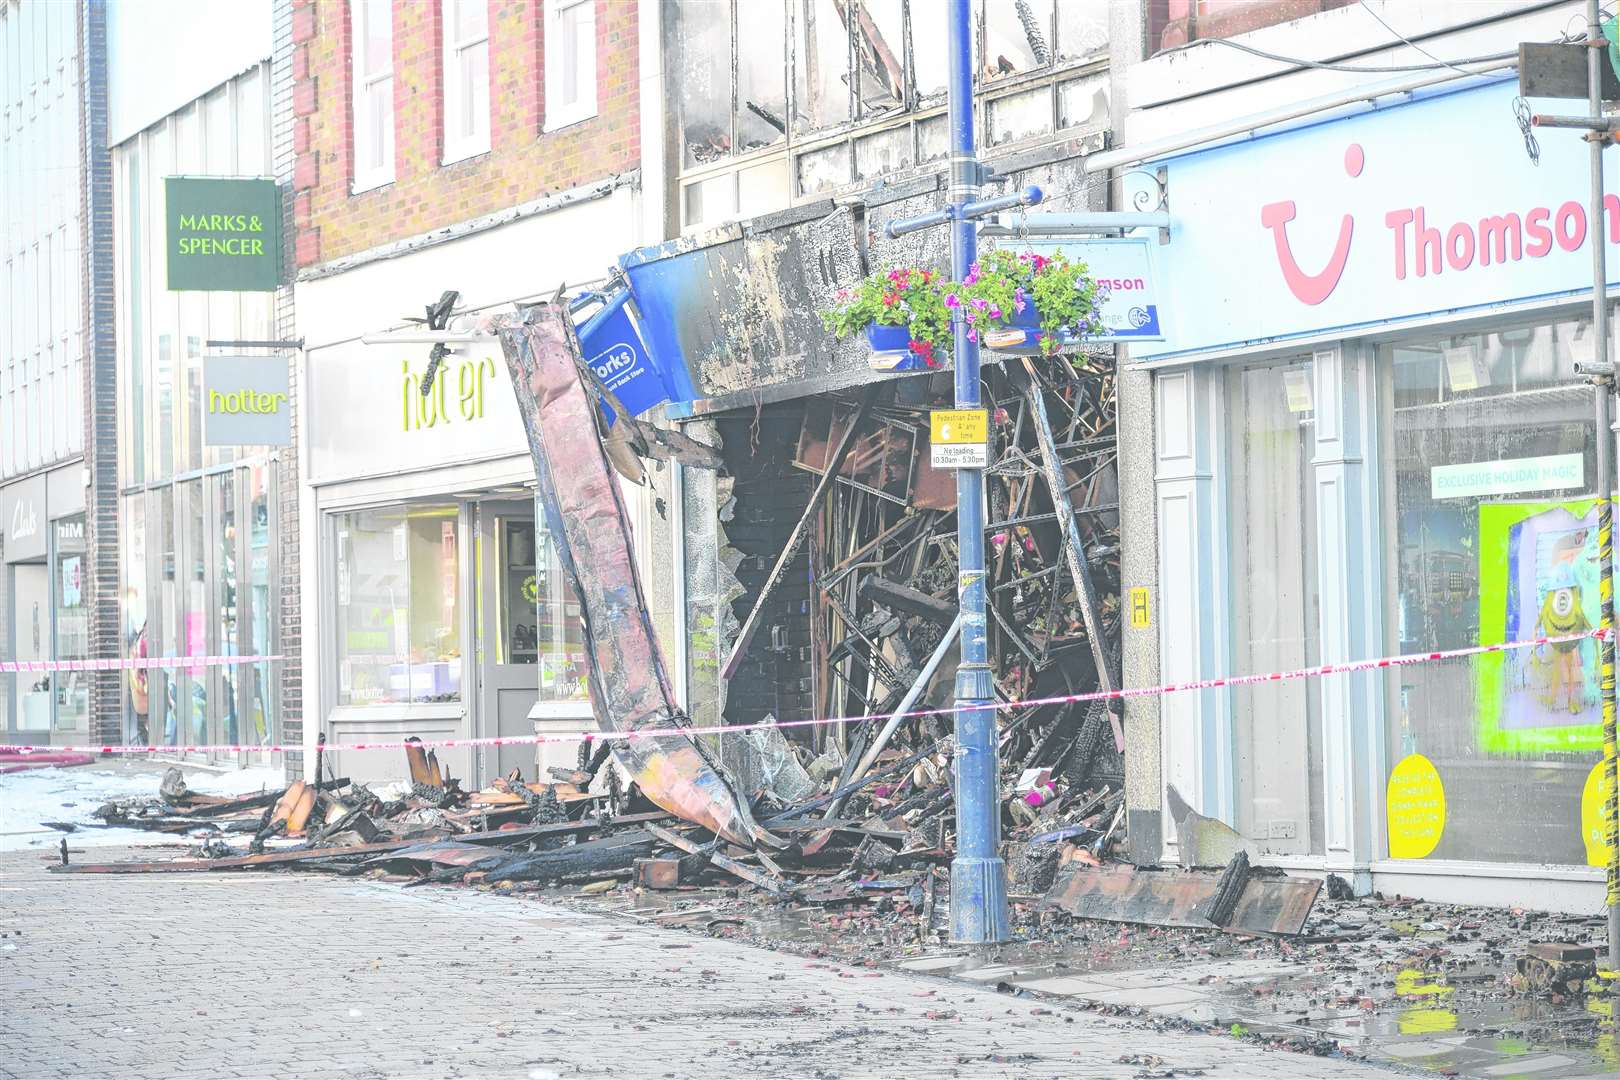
(1193, 644)
(1350, 585)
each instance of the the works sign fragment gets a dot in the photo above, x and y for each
(223, 234)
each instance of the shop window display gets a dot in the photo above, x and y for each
(1492, 509)
(398, 605)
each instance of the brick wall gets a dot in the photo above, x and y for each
(524, 162)
(101, 379)
(290, 618)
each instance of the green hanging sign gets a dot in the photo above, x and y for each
(224, 234)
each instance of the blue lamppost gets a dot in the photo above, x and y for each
(978, 875)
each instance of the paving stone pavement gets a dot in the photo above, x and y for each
(319, 978)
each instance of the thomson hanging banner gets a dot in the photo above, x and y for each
(224, 234)
(246, 401)
(1129, 298)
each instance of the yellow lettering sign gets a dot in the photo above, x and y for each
(958, 427)
(419, 410)
(1416, 808)
(235, 402)
(1141, 614)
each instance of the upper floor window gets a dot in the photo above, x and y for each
(372, 32)
(466, 78)
(570, 62)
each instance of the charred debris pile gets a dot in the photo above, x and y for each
(860, 803)
(851, 807)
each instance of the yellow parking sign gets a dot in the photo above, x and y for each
(959, 438)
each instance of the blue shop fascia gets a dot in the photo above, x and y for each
(1369, 439)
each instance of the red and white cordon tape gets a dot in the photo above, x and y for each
(132, 663)
(721, 729)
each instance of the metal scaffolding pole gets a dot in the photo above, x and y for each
(1596, 51)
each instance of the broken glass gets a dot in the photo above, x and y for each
(1082, 28)
(884, 152)
(821, 49)
(880, 50)
(1084, 103)
(1015, 37)
(824, 170)
(1019, 116)
(761, 74)
(700, 33)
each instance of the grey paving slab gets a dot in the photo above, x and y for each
(278, 975)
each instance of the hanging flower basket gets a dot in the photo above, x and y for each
(902, 313)
(1025, 302)
(1020, 303)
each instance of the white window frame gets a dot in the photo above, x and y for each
(363, 86)
(558, 115)
(459, 146)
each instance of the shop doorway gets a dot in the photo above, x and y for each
(1276, 726)
(31, 633)
(507, 586)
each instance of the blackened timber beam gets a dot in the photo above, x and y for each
(1072, 549)
(750, 625)
(911, 601)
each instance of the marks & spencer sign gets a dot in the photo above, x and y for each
(245, 401)
(224, 234)
(1397, 214)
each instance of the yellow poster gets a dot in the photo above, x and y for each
(1593, 798)
(1416, 807)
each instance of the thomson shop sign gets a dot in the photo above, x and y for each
(1396, 214)
(246, 401)
(224, 234)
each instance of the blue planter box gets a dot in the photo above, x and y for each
(885, 338)
(1028, 321)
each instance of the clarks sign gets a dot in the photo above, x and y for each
(245, 401)
(1396, 214)
(224, 233)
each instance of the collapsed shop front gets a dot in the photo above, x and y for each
(814, 597)
(440, 605)
(1372, 441)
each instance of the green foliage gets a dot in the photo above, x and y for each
(904, 297)
(997, 288)
(1002, 284)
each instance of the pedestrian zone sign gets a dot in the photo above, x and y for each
(959, 438)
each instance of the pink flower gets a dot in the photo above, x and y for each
(981, 304)
(995, 313)
(973, 335)
(970, 318)
(951, 300)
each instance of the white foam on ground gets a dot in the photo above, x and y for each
(73, 794)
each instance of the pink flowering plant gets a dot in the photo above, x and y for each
(905, 297)
(1003, 285)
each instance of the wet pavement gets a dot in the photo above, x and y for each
(1433, 988)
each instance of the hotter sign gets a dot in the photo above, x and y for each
(1389, 215)
(246, 401)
